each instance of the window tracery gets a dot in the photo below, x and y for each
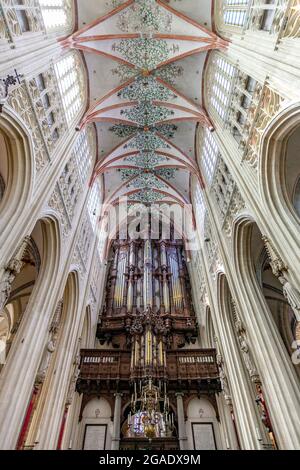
(208, 153)
(223, 73)
(57, 14)
(46, 102)
(18, 17)
(38, 104)
(242, 103)
(235, 12)
(94, 203)
(70, 78)
(222, 187)
(272, 16)
(199, 206)
(85, 151)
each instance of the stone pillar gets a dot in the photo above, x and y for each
(115, 445)
(181, 422)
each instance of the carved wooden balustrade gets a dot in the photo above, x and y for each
(193, 365)
(121, 323)
(186, 370)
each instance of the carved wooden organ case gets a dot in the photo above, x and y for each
(148, 308)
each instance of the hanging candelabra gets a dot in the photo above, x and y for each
(150, 414)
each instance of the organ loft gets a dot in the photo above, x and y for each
(111, 339)
(149, 364)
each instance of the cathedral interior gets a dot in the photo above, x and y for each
(149, 225)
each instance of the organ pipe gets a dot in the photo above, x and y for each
(147, 290)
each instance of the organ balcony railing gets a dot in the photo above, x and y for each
(110, 370)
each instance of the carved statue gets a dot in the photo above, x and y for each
(247, 356)
(73, 381)
(49, 350)
(244, 345)
(137, 326)
(11, 270)
(224, 379)
(57, 316)
(5, 287)
(51, 345)
(292, 295)
(276, 262)
(72, 387)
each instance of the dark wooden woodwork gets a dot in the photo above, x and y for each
(186, 369)
(168, 444)
(151, 272)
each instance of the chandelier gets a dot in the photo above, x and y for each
(150, 415)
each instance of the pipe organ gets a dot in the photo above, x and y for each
(149, 330)
(149, 294)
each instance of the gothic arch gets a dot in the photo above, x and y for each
(24, 355)
(246, 260)
(55, 387)
(261, 275)
(279, 175)
(16, 169)
(25, 282)
(241, 362)
(262, 329)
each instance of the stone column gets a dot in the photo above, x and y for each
(181, 422)
(115, 445)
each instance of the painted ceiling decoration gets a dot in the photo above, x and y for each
(147, 118)
(146, 196)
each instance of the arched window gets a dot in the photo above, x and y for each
(84, 151)
(101, 244)
(94, 203)
(199, 206)
(220, 91)
(69, 71)
(243, 103)
(33, 16)
(235, 12)
(236, 16)
(208, 155)
(57, 14)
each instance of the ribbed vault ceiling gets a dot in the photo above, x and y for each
(145, 61)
